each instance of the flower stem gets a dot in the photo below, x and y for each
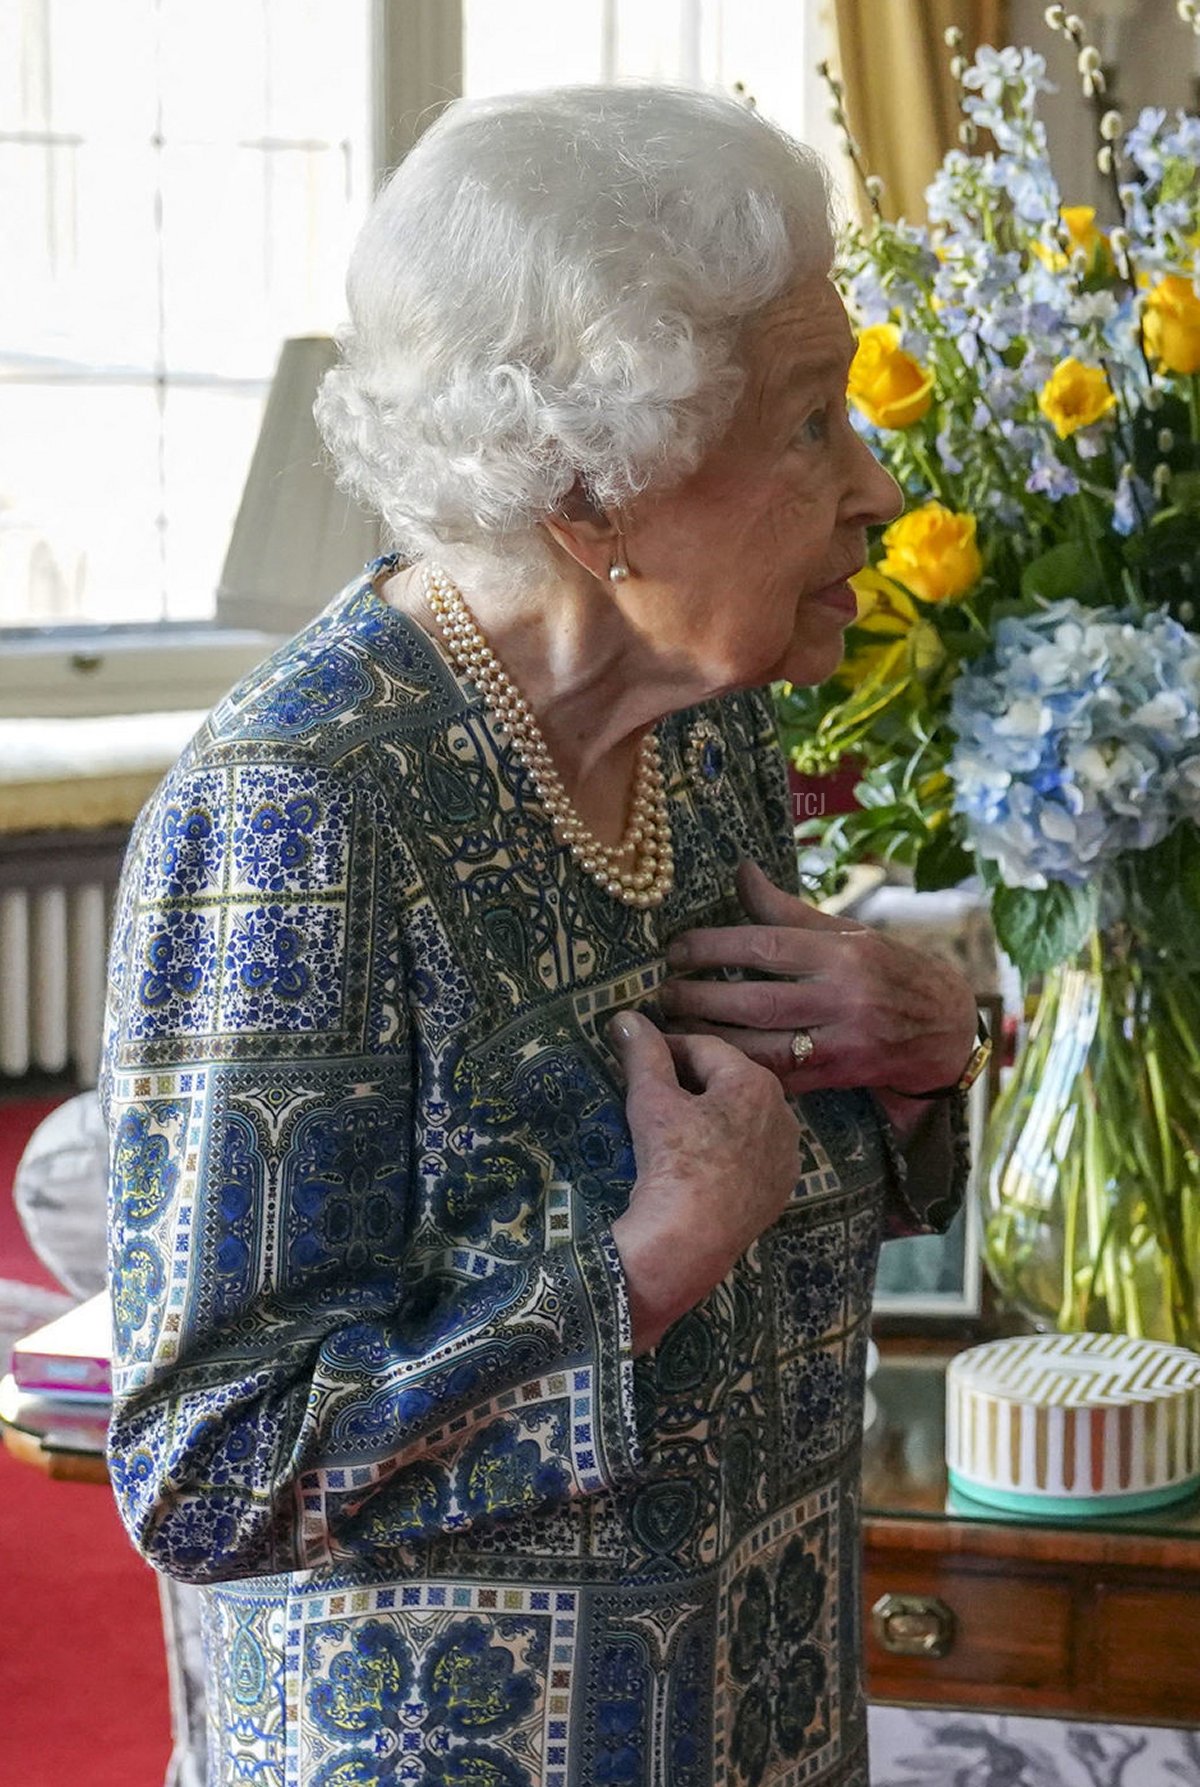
(1093, 1173)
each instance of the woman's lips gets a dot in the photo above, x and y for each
(838, 596)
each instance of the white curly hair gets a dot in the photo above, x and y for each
(548, 293)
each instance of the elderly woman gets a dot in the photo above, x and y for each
(493, 1352)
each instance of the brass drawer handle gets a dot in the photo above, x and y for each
(913, 1625)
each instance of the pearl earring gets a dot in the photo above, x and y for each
(618, 571)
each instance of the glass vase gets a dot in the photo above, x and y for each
(1090, 1177)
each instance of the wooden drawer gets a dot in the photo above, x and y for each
(1088, 1619)
(1143, 1634)
(1011, 1640)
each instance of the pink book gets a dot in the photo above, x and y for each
(70, 1356)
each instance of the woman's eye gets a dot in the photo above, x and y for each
(815, 427)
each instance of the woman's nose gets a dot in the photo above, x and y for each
(876, 496)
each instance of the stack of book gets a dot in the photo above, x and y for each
(62, 1377)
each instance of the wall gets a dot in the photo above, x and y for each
(1157, 63)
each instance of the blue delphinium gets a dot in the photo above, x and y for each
(1159, 194)
(1078, 739)
(1133, 503)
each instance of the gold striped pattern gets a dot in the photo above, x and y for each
(1074, 1414)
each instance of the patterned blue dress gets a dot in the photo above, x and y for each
(373, 1373)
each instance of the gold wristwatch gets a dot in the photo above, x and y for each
(979, 1057)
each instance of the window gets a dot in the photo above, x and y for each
(179, 188)
(770, 47)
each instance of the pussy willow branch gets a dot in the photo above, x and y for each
(1108, 160)
(871, 185)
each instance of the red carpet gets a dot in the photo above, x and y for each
(83, 1677)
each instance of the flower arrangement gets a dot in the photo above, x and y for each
(1021, 689)
(1033, 382)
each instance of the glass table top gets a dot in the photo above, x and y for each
(904, 1464)
(904, 1460)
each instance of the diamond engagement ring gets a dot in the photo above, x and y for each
(802, 1046)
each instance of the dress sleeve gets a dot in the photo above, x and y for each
(928, 1171)
(927, 1174)
(289, 1390)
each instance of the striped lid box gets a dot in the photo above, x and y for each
(1073, 1424)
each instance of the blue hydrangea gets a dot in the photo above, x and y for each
(1078, 740)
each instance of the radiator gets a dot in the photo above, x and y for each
(56, 899)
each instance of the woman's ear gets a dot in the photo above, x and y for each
(585, 532)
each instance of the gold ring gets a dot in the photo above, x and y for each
(802, 1045)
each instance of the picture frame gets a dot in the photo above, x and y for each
(927, 1282)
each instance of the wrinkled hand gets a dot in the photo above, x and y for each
(881, 1014)
(717, 1151)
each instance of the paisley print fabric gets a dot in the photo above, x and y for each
(374, 1383)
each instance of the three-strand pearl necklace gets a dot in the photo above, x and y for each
(640, 869)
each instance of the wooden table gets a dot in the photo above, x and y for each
(1095, 1619)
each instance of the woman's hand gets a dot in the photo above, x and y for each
(880, 1013)
(717, 1150)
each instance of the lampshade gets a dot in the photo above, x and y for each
(297, 539)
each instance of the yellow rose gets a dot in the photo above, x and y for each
(881, 602)
(891, 647)
(887, 384)
(891, 644)
(1074, 396)
(932, 551)
(1081, 227)
(1171, 324)
(1079, 221)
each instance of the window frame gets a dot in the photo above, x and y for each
(88, 669)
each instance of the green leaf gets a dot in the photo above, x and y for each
(1042, 926)
(871, 820)
(1066, 570)
(1184, 492)
(942, 862)
(1178, 179)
